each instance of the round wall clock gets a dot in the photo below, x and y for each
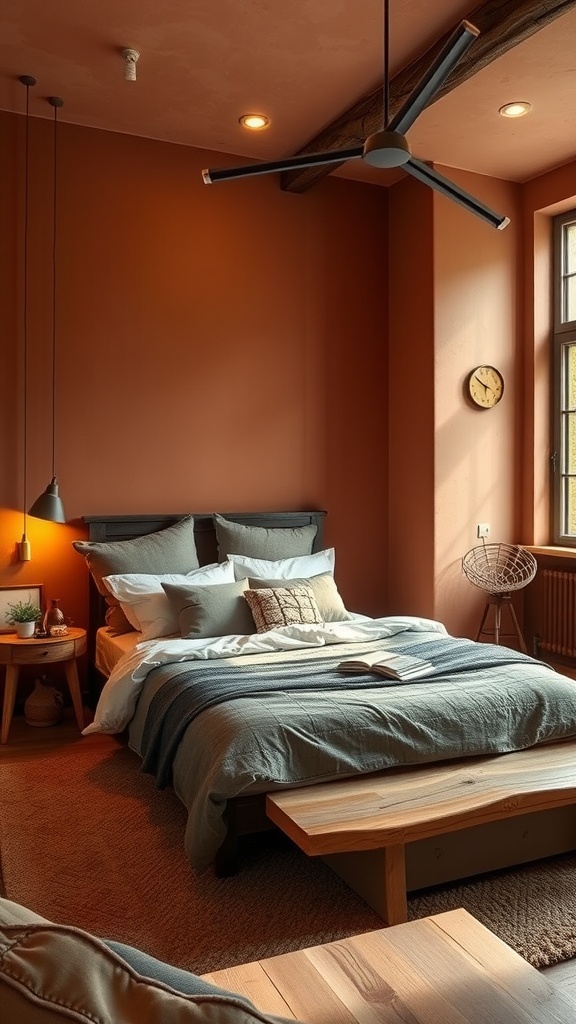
(485, 386)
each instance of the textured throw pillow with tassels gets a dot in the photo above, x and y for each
(282, 606)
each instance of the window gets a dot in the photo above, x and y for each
(564, 392)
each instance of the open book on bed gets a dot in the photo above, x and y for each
(389, 664)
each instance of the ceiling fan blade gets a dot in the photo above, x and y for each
(452, 191)
(434, 79)
(291, 163)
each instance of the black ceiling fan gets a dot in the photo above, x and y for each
(389, 147)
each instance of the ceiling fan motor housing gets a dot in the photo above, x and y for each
(386, 149)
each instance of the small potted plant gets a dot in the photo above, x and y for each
(24, 615)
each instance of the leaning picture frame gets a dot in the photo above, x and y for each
(31, 592)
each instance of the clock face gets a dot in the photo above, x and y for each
(485, 386)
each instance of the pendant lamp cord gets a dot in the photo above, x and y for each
(26, 175)
(386, 97)
(54, 206)
(28, 81)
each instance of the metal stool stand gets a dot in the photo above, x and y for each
(498, 602)
(499, 569)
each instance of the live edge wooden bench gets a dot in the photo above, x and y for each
(448, 968)
(366, 827)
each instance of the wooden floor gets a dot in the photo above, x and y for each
(26, 742)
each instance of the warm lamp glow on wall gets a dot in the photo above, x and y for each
(24, 551)
(49, 504)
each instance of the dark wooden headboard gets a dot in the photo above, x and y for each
(111, 528)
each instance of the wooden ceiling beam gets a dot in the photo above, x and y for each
(503, 25)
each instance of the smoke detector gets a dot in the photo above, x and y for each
(130, 58)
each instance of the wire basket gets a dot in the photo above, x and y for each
(499, 568)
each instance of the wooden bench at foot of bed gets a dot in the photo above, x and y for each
(365, 827)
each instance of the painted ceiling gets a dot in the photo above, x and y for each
(203, 63)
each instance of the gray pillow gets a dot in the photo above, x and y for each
(260, 542)
(210, 610)
(169, 550)
(330, 604)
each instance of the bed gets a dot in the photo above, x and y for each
(222, 756)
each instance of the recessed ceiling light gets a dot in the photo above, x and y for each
(517, 109)
(254, 121)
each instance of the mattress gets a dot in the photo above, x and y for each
(110, 648)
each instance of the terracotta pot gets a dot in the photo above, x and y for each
(44, 705)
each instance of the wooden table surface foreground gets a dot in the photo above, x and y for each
(447, 969)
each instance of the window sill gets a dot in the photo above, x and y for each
(551, 552)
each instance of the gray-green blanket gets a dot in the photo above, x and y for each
(185, 696)
(265, 741)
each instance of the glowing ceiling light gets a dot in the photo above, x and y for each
(517, 109)
(254, 121)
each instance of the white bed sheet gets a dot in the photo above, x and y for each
(109, 648)
(119, 696)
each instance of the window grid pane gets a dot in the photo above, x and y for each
(569, 460)
(569, 304)
(569, 506)
(568, 439)
(570, 248)
(562, 449)
(567, 272)
(570, 378)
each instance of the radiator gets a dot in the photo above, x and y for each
(559, 613)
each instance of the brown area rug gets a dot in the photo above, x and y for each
(86, 839)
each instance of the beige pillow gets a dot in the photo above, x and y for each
(50, 974)
(210, 610)
(330, 604)
(166, 551)
(260, 542)
(283, 607)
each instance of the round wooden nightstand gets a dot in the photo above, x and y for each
(15, 652)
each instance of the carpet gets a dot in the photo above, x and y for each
(87, 840)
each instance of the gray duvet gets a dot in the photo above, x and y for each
(254, 744)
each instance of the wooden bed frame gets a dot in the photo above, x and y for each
(245, 814)
(430, 861)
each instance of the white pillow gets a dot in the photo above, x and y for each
(145, 604)
(301, 566)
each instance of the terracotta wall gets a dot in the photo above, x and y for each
(217, 348)
(478, 453)
(453, 305)
(226, 348)
(411, 400)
